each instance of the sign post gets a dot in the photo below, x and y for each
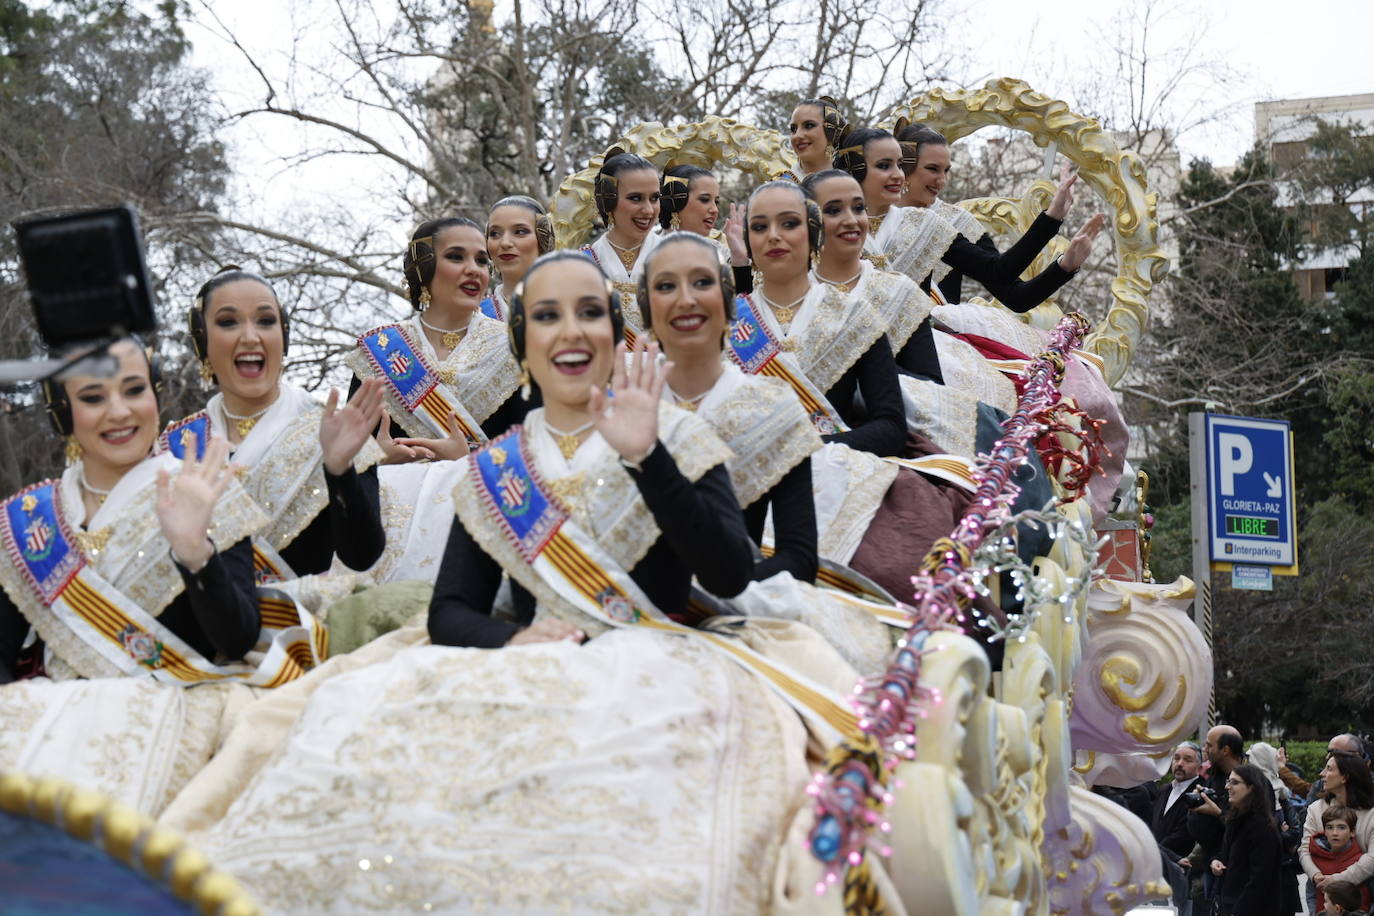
(1244, 514)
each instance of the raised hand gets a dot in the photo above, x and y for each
(395, 452)
(550, 629)
(186, 502)
(1063, 196)
(343, 432)
(734, 236)
(450, 448)
(1082, 244)
(627, 417)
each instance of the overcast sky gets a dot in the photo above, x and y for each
(1271, 49)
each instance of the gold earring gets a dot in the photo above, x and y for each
(524, 380)
(830, 151)
(72, 451)
(675, 223)
(207, 374)
(906, 188)
(424, 298)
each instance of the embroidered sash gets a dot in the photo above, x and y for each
(416, 396)
(493, 307)
(540, 545)
(97, 628)
(755, 348)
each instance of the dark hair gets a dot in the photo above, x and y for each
(726, 280)
(813, 181)
(1359, 784)
(914, 136)
(1231, 742)
(543, 226)
(833, 122)
(676, 187)
(418, 263)
(1344, 894)
(232, 273)
(1338, 812)
(815, 233)
(1260, 800)
(849, 153)
(515, 321)
(606, 190)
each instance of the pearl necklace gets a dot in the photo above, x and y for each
(784, 313)
(244, 425)
(568, 442)
(627, 256)
(842, 285)
(688, 403)
(449, 338)
(99, 494)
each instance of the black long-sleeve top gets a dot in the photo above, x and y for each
(703, 535)
(217, 613)
(350, 525)
(794, 526)
(1000, 271)
(878, 425)
(1252, 853)
(511, 413)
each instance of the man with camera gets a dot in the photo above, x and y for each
(1169, 821)
(1209, 800)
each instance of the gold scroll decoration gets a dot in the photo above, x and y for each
(1118, 176)
(760, 153)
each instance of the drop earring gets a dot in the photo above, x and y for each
(424, 298)
(524, 380)
(71, 451)
(207, 374)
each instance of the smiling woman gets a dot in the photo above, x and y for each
(312, 469)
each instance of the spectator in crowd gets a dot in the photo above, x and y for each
(1247, 868)
(1206, 820)
(1343, 899)
(1347, 782)
(1334, 849)
(1169, 823)
(1288, 816)
(1341, 744)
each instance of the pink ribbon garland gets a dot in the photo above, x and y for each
(851, 793)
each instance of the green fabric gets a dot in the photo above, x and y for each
(365, 615)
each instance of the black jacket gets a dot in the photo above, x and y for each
(1171, 827)
(1208, 829)
(1252, 884)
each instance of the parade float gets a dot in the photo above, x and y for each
(961, 787)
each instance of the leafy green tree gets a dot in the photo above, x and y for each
(98, 107)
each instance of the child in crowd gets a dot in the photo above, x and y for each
(1344, 899)
(1334, 850)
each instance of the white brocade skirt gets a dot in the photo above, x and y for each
(639, 773)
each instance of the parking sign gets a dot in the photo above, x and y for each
(1250, 483)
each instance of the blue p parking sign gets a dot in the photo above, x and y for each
(1250, 481)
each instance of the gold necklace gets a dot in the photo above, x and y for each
(568, 442)
(689, 403)
(245, 425)
(784, 313)
(627, 256)
(875, 223)
(449, 338)
(100, 495)
(842, 285)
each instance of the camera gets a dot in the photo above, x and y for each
(1194, 798)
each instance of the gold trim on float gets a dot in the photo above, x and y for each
(1118, 177)
(1119, 670)
(127, 836)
